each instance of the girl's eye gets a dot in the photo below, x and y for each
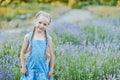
(45, 24)
(40, 22)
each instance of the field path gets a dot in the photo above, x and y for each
(76, 15)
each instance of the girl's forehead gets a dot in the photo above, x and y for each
(42, 18)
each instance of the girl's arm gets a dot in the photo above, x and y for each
(52, 56)
(23, 50)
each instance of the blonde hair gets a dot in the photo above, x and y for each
(47, 15)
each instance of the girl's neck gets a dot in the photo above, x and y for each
(39, 34)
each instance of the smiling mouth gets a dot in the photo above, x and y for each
(41, 28)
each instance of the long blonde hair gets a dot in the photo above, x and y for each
(46, 34)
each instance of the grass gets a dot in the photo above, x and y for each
(103, 11)
(72, 61)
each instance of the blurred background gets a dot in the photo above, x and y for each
(85, 36)
(15, 12)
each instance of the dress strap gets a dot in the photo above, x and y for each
(29, 35)
(49, 39)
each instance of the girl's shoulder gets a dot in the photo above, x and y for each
(28, 35)
(49, 37)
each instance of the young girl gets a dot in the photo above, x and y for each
(40, 61)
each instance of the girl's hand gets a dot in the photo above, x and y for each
(50, 73)
(24, 71)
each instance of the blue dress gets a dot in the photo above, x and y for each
(36, 64)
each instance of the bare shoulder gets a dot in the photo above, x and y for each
(27, 35)
(50, 38)
(26, 38)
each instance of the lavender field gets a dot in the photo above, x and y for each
(83, 51)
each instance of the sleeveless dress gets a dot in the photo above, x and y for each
(36, 64)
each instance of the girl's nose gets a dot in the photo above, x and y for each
(41, 25)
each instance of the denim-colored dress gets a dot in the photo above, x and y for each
(36, 64)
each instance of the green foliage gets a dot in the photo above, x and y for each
(74, 3)
(95, 33)
(0, 26)
(70, 38)
(85, 67)
(8, 17)
(108, 2)
(28, 0)
(81, 4)
(18, 73)
(44, 1)
(80, 64)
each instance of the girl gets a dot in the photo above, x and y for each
(40, 61)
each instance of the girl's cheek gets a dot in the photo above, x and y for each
(45, 28)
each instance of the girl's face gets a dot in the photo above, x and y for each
(41, 23)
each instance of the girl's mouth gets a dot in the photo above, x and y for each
(40, 28)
